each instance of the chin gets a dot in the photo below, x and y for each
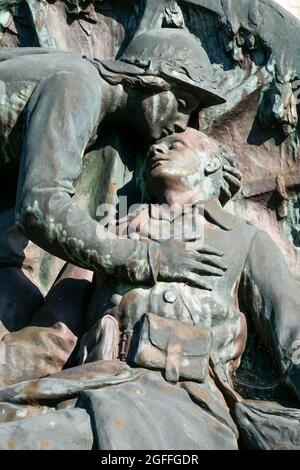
(160, 172)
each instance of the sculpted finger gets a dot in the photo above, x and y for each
(232, 180)
(233, 171)
(194, 280)
(216, 263)
(193, 247)
(205, 269)
(208, 250)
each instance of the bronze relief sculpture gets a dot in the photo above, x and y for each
(192, 316)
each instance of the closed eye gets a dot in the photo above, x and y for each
(176, 145)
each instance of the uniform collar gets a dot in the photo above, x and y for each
(213, 213)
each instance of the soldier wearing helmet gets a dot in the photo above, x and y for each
(175, 71)
(61, 99)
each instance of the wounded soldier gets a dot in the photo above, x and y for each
(189, 338)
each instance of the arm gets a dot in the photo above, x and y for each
(62, 115)
(48, 215)
(276, 305)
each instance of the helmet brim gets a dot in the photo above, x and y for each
(204, 92)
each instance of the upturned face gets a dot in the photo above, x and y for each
(182, 161)
(166, 113)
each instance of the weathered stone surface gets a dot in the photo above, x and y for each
(65, 126)
(151, 414)
(268, 426)
(61, 430)
(10, 412)
(70, 383)
(34, 352)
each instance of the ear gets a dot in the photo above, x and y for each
(214, 165)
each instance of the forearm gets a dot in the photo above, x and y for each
(54, 222)
(61, 117)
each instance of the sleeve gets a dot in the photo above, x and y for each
(275, 302)
(55, 222)
(52, 219)
(58, 121)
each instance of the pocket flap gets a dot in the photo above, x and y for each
(195, 341)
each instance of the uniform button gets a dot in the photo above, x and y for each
(170, 296)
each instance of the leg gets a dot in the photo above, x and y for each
(35, 67)
(61, 115)
(8, 53)
(150, 413)
(20, 76)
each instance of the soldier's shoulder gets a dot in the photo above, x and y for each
(237, 222)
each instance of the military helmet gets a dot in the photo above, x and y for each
(176, 54)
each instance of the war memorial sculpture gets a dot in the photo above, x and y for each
(149, 225)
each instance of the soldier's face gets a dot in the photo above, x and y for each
(176, 155)
(181, 161)
(167, 113)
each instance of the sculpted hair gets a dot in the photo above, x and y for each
(137, 81)
(228, 189)
(227, 186)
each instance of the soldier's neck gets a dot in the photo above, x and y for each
(184, 198)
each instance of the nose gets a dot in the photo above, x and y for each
(158, 148)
